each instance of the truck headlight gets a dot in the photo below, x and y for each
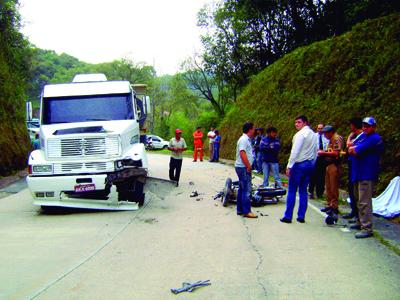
(42, 169)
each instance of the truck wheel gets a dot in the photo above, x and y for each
(138, 195)
(132, 191)
(165, 147)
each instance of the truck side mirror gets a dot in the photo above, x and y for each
(140, 109)
(148, 105)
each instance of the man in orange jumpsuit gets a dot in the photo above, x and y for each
(198, 144)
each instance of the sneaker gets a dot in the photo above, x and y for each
(363, 234)
(352, 221)
(194, 160)
(300, 220)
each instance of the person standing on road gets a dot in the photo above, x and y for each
(332, 162)
(269, 148)
(177, 145)
(257, 164)
(198, 144)
(317, 180)
(217, 144)
(355, 131)
(243, 163)
(36, 142)
(299, 168)
(366, 149)
(211, 136)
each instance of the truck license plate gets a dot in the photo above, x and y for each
(84, 188)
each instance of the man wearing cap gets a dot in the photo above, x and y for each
(299, 168)
(244, 160)
(355, 130)
(177, 145)
(366, 149)
(332, 162)
(198, 144)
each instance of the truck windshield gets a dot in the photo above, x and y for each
(87, 108)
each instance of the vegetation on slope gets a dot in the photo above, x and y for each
(355, 74)
(14, 73)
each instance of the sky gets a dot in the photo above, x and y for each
(157, 32)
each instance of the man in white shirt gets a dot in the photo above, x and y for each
(211, 136)
(244, 160)
(299, 168)
(176, 145)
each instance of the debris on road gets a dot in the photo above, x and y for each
(194, 194)
(189, 287)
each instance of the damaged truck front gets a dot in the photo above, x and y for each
(90, 155)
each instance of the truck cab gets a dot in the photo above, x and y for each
(90, 146)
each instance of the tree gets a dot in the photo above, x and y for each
(244, 36)
(14, 75)
(208, 86)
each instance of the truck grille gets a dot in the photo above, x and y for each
(83, 147)
(79, 168)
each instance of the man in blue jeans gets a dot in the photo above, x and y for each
(299, 168)
(244, 160)
(269, 148)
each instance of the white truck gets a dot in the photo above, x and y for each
(90, 147)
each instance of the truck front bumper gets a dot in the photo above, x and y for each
(57, 190)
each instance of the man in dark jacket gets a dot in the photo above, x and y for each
(366, 149)
(269, 147)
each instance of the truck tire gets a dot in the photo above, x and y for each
(131, 191)
(165, 147)
(138, 193)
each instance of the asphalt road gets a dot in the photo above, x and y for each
(175, 238)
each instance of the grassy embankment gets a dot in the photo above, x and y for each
(355, 74)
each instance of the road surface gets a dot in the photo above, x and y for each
(175, 238)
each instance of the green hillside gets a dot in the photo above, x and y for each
(14, 74)
(355, 74)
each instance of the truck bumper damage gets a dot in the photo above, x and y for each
(120, 190)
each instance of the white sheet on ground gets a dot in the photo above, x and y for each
(387, 204)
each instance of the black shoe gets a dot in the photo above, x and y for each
(284, 220)
(300, 220)
(355, 226)
(326, 209)
(352, 221)
(348, 216)
(311, 196)
(363, 234)
(335, 210)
